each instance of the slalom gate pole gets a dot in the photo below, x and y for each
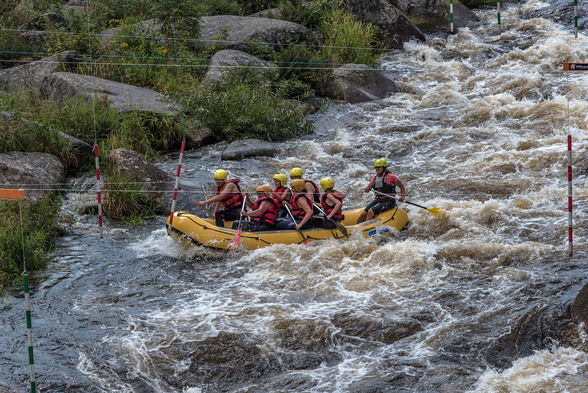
(451, 16)
(173, 206)
(99, 192)
(29, 330)
(19, 195)
(571, 67)
(498, 14)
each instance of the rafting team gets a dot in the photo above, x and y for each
(300, 207)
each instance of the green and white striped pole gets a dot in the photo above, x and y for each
(451, 16)
(498, 14)
(29, 331)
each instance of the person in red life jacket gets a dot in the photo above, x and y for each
(264, 212)
(229, 198)
(331, 203)
(311, 188)
(281, 193)
(300, 206)
(383, 182)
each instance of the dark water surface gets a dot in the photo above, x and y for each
(479, 130)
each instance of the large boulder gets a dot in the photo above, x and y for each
(236, 32)
(42, 171)
(355, 83)
(31, 75)
(397, 28)
(122, 97)
(227, 63)
(157, 184)
(433, 15)
(250, 148)
(562, 12)
(579, 308)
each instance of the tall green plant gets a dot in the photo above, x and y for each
(38, 228)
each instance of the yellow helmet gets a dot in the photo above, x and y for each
(380, 162)
(296, 172)
(265, 189)
(298, 185)
(282, 178)
(221, 174)
(327, 183)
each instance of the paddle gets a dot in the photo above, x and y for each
(434, 210)
(299, 231)
(237, 238)
(339, 226)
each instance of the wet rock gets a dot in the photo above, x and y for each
(199, 136)
(227, 64)
(397, 28)
(355, 83)
(562, 12)
(235, 32)
(42, 171)
(431, 16)
(579, 308)
(250, 148)
(122, 97)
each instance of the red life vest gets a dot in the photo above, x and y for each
(232, 200)
(297, 211)
(385, 184)
(271, 214)
(316, 195)
(280, 191)
(328, 208)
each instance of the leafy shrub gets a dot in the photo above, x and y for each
(245, 111)
(123, 200)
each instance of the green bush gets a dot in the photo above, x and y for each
(124, 201)
(245, 111)
(38, 228)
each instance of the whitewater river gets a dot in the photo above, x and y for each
(479, 130)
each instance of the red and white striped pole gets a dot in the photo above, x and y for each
(173, 206)
(99, 193)
(570, 222)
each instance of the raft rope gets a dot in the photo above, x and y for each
(173, 206)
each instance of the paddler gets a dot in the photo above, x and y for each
(384, 183)
(229, 198)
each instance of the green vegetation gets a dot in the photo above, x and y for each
(38, 229)
(155, 48)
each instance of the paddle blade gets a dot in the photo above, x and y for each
(436, 211)
(237, 239)
(342, 229)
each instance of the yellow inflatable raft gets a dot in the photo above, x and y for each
(192, 230)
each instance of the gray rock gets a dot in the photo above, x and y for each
(433, 15)
(354, 83)
(82, 151)
(41, 173)
(122, 97)
(397, 28)
(562, 12)
(275, 13)
(77, 5)
(579, 308)
(250, 148)
(31, 75)
(47, 20)
(229, 62)
(234, 31)
(199, 136)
